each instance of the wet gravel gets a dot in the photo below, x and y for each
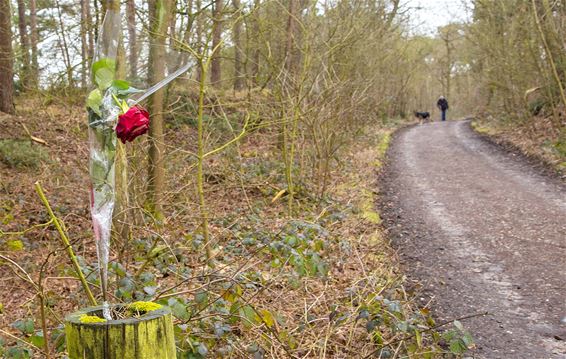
(480, 229)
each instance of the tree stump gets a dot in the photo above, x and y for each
(149, 336)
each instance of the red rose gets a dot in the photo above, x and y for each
(133, 123)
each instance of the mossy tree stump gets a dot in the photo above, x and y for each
(149, 336)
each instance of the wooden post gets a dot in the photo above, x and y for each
(149, 336)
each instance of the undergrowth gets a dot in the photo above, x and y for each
(324, 283)
(537, 137)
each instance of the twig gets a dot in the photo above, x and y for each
(66, 242)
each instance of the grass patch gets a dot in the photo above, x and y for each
(20, 153)
(484, 130)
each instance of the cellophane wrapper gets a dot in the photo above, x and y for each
(102, 146)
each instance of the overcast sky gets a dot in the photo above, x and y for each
(428, 15)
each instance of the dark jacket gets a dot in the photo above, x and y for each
(442, 104)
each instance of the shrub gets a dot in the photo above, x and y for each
(18, 153)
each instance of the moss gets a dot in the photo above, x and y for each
(91, 319)
(140, 339)
(484, 130)
(14, 245)
(367, 208)
(383, 145)
(144, 307)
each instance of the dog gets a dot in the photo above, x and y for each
(422, 116)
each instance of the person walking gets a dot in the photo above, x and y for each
(442, 105)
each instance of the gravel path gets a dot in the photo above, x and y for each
(480, 230)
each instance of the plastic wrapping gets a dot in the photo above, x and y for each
(103, 114)
(108, 99)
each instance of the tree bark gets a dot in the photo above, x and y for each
(132, 37)
(238, 51)
(24, 44)
(156, 181)
(215, 70)
(34, 37)
(6, 59)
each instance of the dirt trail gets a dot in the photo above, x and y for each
(482, 231)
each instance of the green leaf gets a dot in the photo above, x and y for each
(18, 353)
(468, 340)
(118, 269)
(94, 100)
(248, 312)
(24, 325)
(201, 297)
(103, 72)
(37, 339)
(457, 346)
(459, 325)
(178, 309)
(267, 317)
(120, 85)
(150, 290)
(122, 88)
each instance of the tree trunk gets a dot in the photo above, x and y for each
(156, 181)
(198, 35)
(238, 52)
(92, 31)
(290, 40)
(34, 36)
(6, 59)
(132, 37)
(172, 55)
(256, 28)
(84, 44)
(215, 71)
(24, 44)
(149, 336)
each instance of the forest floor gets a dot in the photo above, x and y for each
(539, 139)
(322, 283)
(480, 230)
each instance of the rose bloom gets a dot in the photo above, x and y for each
(133, 123)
